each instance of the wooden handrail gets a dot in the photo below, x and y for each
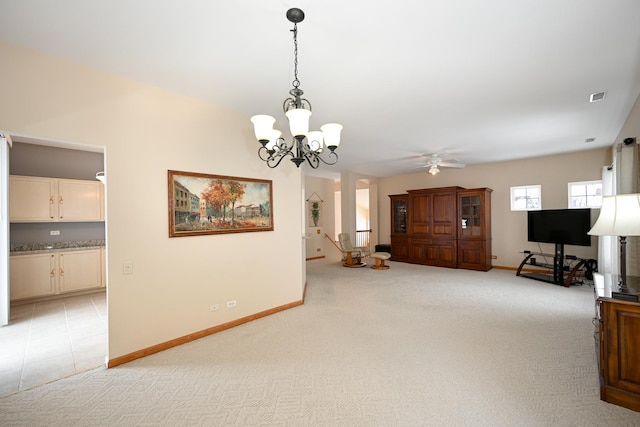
(333, 241)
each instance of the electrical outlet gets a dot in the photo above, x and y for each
(54, 232)
(214, 307)
(127, 267)
(231, 304)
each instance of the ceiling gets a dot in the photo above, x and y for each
(476, 81)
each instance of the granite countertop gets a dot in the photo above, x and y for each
(36, 248)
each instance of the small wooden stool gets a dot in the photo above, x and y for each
(380, 259)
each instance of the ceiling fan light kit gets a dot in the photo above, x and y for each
(306, 145)
(434, 162)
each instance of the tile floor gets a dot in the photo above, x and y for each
(50, 340)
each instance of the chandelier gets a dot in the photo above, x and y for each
(306, 145)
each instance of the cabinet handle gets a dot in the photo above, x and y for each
(61, 272)
(52, 274)
(61, 211)
(51, 207)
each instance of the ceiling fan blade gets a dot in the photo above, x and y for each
(452, 165)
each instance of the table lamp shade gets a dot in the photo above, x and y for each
(619, 216)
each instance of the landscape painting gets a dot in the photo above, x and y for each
(202, 204)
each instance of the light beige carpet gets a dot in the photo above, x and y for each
(410, 346)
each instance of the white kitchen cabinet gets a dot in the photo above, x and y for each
(79, 270)
(40, 199)
(79, 200)
(56, 272)
(32, 199)
(33, 275)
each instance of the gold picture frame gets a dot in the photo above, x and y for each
(204, 204)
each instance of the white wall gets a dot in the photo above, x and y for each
(362, 209)
(147, 131)
(509, 229)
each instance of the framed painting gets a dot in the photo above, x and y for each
(214, 204)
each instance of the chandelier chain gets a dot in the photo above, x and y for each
(296, 82)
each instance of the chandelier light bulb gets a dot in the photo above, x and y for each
(273, 140)
(263, 126)
(331, 133)
(315, 139)
(298, 121)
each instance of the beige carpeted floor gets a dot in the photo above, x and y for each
(410, 346)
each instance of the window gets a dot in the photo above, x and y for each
(585, 194)
(526, 198)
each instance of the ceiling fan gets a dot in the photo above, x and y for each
(434, 161)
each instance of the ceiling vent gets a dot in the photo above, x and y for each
(587, 140)
(598, 96)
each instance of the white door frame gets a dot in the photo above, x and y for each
(5, 144)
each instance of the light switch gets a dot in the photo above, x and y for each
(127, 267)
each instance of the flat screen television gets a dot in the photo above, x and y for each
(563, 226)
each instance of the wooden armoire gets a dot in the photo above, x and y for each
(444, 227)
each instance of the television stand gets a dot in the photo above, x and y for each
(559, 273)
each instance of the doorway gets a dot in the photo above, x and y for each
(362, 212)
(78, 320)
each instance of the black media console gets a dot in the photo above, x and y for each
(561, 272)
